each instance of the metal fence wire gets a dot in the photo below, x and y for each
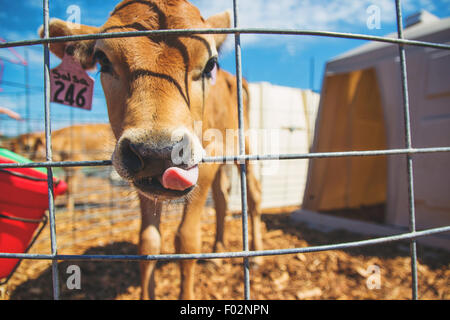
(241, 158)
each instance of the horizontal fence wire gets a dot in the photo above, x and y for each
(409, 151)
(261, 31)
(237, 254)
(241, 158)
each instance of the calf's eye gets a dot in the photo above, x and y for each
(103, 61)
(210, 68)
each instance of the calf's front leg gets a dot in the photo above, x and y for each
(149, 244)
(188, 237)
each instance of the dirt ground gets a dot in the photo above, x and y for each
(340, 274)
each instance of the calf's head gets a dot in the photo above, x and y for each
(31, 145)
(155, 88)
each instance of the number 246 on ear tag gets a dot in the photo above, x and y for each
(71, 85)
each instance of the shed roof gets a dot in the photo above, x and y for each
(429, 28)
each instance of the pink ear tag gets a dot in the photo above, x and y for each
(71, 85)
(214, 75)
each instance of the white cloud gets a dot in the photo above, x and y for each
(338, 15)
(294, 14)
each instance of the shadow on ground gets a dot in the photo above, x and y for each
(105, 280)
(433, 257)
(100, 280)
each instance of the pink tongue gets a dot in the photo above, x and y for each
(179, 179)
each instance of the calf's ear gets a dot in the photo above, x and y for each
(219, 21)
(82, 51)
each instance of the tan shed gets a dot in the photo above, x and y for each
(361, 108)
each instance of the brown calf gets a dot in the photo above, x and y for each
(158, 89)
(83, 142)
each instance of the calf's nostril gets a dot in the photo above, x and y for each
(131, 157)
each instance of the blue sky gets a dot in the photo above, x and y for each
(282, 60)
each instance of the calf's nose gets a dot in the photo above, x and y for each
(142, 159)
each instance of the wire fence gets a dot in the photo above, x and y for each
(241, 158)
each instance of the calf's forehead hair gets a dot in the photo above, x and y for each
(158, 15)
(139, 15)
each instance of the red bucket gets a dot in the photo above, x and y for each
(23, 202)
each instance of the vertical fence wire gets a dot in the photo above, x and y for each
(242, 164)
(408, 145)
(51, 204)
